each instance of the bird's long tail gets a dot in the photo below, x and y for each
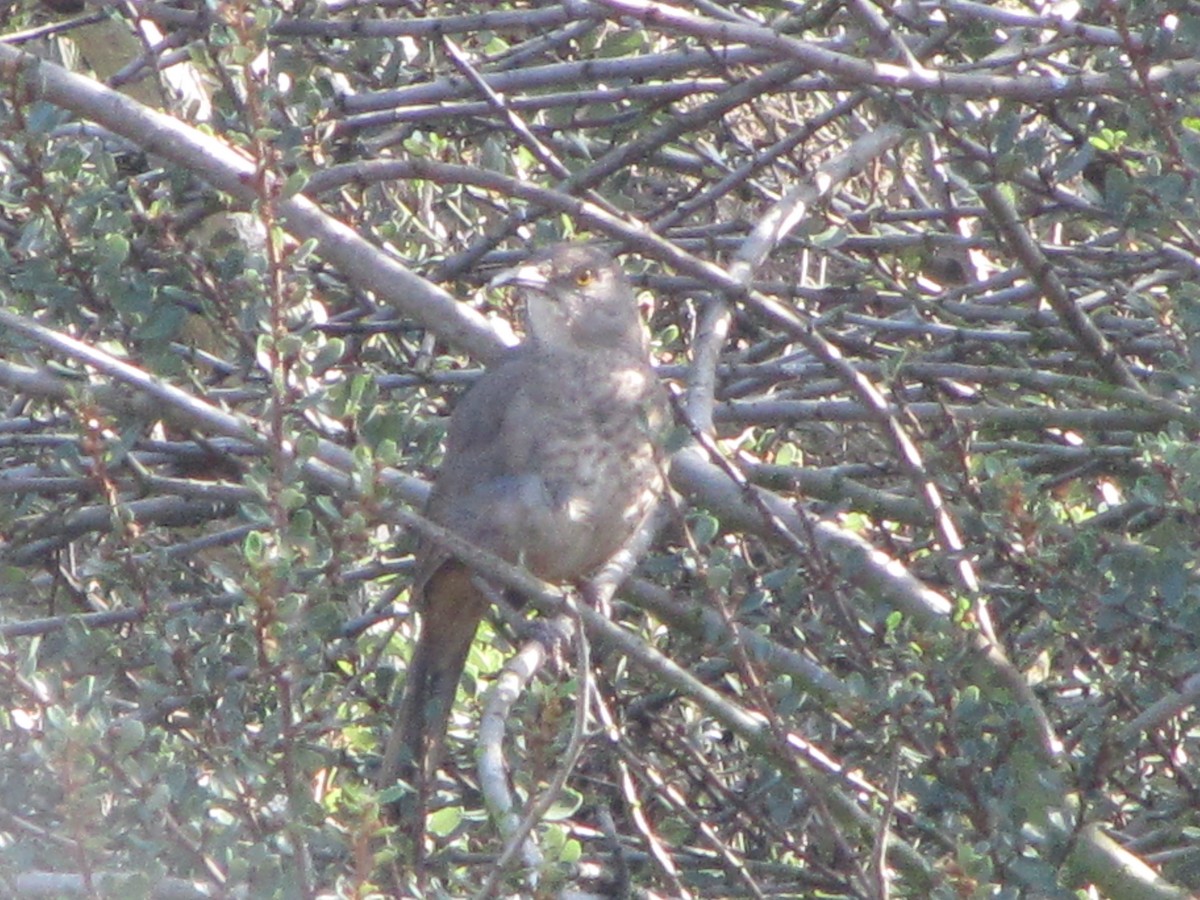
(452, 609)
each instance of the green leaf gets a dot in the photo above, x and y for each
(254, 547)
(294, 185)
(565, 805)
(329, 355)
(571, 852)
(443, 822)
(115, 249)
(128, 735)
(704, 528)
(163, 323)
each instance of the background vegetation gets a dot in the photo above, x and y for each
(924, 619)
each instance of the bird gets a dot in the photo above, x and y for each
(553, 460)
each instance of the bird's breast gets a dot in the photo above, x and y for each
(597, 459)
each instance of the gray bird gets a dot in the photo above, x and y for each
(553, 460)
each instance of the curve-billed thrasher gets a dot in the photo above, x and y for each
(553, 459)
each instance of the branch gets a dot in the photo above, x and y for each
(849, 71)
(363, 264)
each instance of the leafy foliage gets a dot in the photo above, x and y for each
(953, 401)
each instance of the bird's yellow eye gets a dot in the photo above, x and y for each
(584, 277)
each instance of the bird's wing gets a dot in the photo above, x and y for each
(482, 446)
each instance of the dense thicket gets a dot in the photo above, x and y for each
(923, 618)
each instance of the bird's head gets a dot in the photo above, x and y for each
(577, 295)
